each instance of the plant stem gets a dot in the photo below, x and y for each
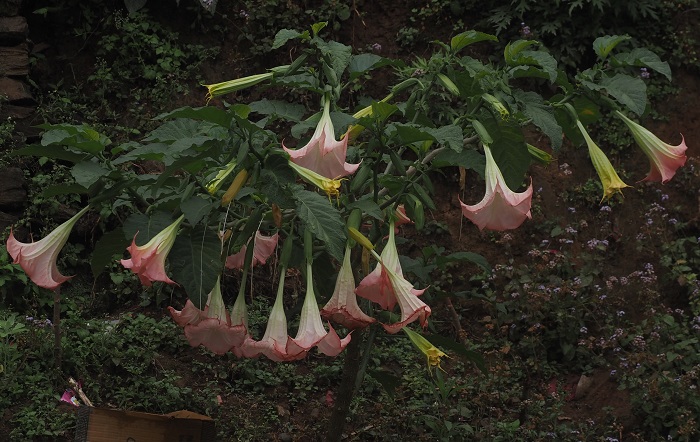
(346, 391)
(57, 348)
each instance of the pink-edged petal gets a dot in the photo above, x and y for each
(263, 248)
(148, 261)
(501, 208)
(188, 315)
(38, 259)
(342, 308)
(331, 344)
(323, 154)
(412, 307)
(215, 335)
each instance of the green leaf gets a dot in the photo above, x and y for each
(195, 263)
(87, 173)
(470, 355)
(541, 115)
(109, 247)
(365, 62)
(284, 35)
(208, 113)
(450, 135)
(464, 39)
(338, 53)
(283, 109)
(81, 137)
(514, 48)
(196, 208)
(469, 159)
(324, 221)
(146, 227)
(629, 91)
(177, 129)
(538, 58)
(63, 189)
(509, 150)
(464, 256)
(604, 45)
(53, 151)
(368, 207)
(275, 177)
(388, 381)
(643, 57)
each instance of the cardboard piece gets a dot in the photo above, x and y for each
(104, 425)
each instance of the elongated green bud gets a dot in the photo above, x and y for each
(482, 132)
(448, 84)
(235, 187)
(360, 238)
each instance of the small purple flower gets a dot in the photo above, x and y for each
(620, 313)
(376, 47)
(606, 209)
(243, 14)
(644, 73)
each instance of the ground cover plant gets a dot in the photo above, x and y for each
(492, 343)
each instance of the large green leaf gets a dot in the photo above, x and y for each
(470, 355)
(108, 248)
(469, 159)
(87, 173)
(643, 57)
(284, 35)
(514, 48)
(196, 208)
(364, 62)
(604, 45)
(81, 137)
(195, 263)
(176, 130)
(146, 227)
(509, 150)
(323, 219)
(629, 91)
(208, 113)
(283, 109)
(541, 115)
(464, 256)
(464, 39)
(53, 151)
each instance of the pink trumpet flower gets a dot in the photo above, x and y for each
(188, 315)
(664, 159)
(342, 308)
(311, 332)
(501, 208)
(215, 331)
(276, 344)
(263, 248)
(386, 286)
(323, 154)
(148, 261)
(38, 259)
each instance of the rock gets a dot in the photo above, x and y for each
(9, 8)
(15, 112)
(15, 60)
(12, 193)
(285, 437)
(13, 30)
(15, 91)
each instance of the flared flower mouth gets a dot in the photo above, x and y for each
(664, 159)
(148, 261)
(387, 287)
(609, 178)
(501, 208)
(323, 154)
(38, 259)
